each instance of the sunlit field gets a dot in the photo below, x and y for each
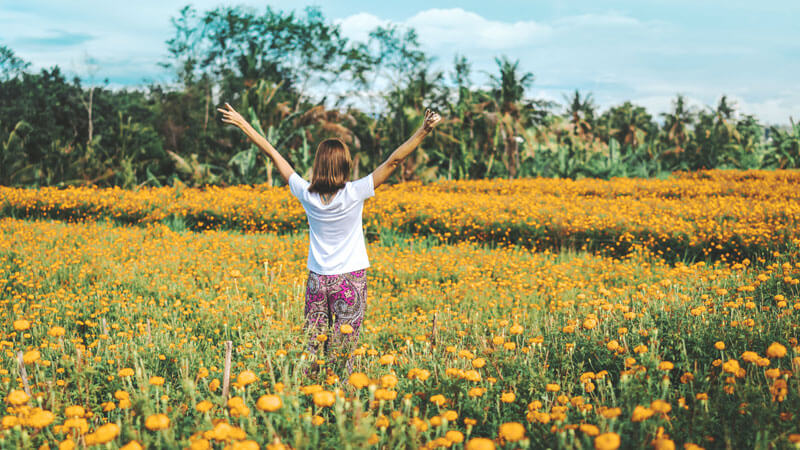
(534, 313)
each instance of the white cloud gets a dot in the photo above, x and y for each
(449, 27)
(610, 19)
(455, 27)
(358, 26)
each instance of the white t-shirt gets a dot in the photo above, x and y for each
(336, 239)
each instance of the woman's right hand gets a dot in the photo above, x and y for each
(431, 120)
(232, 116)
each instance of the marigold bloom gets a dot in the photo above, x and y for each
(324, 399)
(776, 350)
(480, 444)
(132, 445)
(40, 418)
(204, 406)
(607, 441)
(157, 422)
(508, 397)
(512, 431)
(104, 434)
(641, 413)
(246, 377)
(269, 403)
(454, 436)
(21, 324)
(74, 411)
(17, 397)
(358, 380)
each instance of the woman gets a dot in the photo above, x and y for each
(336, 289)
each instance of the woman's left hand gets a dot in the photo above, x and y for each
(231, 116)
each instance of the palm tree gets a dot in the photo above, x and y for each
(508, 110)
(628, 124)
(581, 113)
(677, 126)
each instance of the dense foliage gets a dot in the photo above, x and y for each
(298, 81)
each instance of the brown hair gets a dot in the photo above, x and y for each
(331, 167)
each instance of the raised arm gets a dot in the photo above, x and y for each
(382, 173)
(231, 116)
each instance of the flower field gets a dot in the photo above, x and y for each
(652, 313)
(717, 214)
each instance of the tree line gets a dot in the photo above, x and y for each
(298, 81)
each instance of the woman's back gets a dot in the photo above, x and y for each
(336, 237)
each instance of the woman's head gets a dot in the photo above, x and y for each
(331, 166)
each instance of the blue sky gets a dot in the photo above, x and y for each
(645, 51)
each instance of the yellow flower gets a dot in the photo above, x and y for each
(346, 329)
(750, 357)
(611, 413)
(132, 445)
(508, 397)
(358, 380)
(75, 411)
(776, 350)
(731, 366)
(476, 392)
(660, 406)
(21, 324)
(76, 423)
(386, 360)
(478, 363)
(269, 403)
(104, 434)
(322, 337)
(56, 331)
(589, 323)
(607, 441)
(512, 431)
(17, 398)
(663, 444)
(719, 345)
(641, 413)
(125, 372)
(438, 399)
(237, 407)
(213, 385)
(385, 394)
(40, 418)
(157, 422)
(389, 381)
(480, 444)
(156, 381)
(204, 406)
(589, 429)
(552, 387)
(456, 437)
(317, 420)
(324, 399)
(246, 377)
(665, 366)
(516, 329)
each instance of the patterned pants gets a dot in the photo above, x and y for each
(331, 302)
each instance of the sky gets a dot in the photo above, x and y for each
(645, 51)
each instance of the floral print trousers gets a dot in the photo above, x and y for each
(335, 307)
